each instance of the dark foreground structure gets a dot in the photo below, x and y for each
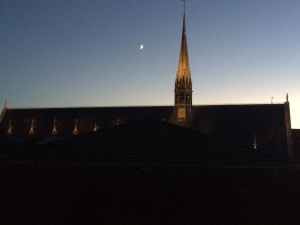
(181, 164)
(143, 173)
(99, 194)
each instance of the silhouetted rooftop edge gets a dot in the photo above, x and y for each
(133, 106)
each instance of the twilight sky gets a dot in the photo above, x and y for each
(68, 53)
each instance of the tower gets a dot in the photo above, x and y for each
(183, 83)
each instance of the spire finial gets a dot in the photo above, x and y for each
(254, 142)
(96, 126)
(184, 4)
(54, 131)
(32, 127)
(75, 131)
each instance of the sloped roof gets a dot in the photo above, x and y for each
(236, 123)
(148, 142)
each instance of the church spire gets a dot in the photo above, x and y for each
(183, 66)
(183, 83)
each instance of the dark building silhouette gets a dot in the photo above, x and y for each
(148, 142)
(265, 127)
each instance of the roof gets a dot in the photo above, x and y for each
(148, 142)
(239, 123)
(236, 123)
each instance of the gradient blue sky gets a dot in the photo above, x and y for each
(58, 53)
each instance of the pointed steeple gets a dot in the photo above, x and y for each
(183, 65)
(183, 83)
